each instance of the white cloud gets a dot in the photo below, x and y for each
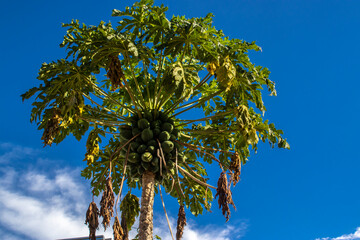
(56, 211)
(36, 219)
(51, 204)
(352, 236)
(54, 208)
(38, 182)
(34, 204)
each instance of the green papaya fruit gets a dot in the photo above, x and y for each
(157, 132)
(151, 149)
(167, 146)
(155, 124)
(143, 124)
(146, 157)
(176, 132)
(141, 149)
(134, 157)
(173, 152)
(148, 116)
(168, 156)
(164, 136)
(139, 140)
(134, 146)
(172, 137)
(167, 127)
(152, 142)
(147, 135)
(135, 131)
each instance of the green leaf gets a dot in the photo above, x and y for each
(130, 209)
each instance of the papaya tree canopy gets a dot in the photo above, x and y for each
(129, 88)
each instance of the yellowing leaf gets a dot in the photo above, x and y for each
(253, 137)
(226, 73)
(212, 67)
(81, 108)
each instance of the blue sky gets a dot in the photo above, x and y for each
(310, 192)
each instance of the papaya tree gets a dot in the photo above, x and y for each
(159, 100)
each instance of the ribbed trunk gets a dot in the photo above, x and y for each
(147, 203)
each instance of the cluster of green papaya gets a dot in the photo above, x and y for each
(152, 130)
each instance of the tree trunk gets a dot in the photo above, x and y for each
(147, 203)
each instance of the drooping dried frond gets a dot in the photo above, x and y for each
(115, 73)
(52, 128)
(118, 231)
(181, 222)
(225, 196)
(235, 167)
(92, 220)
(107, 204)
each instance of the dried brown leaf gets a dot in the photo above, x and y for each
(118, 231)
(181, 222)
(107, 204)
(115, 73)
(52, 128)
(225, 196)
(92, 220)
(235, 167)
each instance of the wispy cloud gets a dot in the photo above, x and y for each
(14, 152)
(51, 204)
(228, 232)
(195, 231)
(9, 236)
(351, 236)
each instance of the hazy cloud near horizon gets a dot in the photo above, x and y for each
(351, 236)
